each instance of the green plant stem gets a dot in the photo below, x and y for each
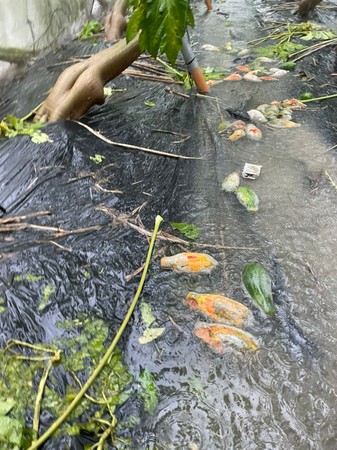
(326, 97)
(38, 402)
(109, 351)
(105, 435)
(170, 68)
(33, 111)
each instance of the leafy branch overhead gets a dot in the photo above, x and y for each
(162, 23)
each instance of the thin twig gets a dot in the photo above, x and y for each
(312, 49)
(331, 148)
(20, 218)
(158, 78)
(107, 191)
(149, 68)
(331, 180)
(179, 94)
(134, 147)
(66, 249)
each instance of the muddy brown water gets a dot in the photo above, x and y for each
(283, 396)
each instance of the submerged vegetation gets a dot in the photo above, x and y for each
(72, 358)
(91, 28)
(12, 126)
(286, 37)
(76, 380)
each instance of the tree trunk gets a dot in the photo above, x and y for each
(80, 86)
(306, 7)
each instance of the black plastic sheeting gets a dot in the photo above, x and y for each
(60, 177)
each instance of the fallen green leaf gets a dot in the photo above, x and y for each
(47, 292)
(306, 96)
(189, 230)
(90, 28)
(148, 103)
(150, 334)
(98, 159)
(32, 277)
(318, 35)
(257, 283)
(10, 430)
(39, 138)
(214, 73)
(148, 391)
(6, 406)
(147, 315)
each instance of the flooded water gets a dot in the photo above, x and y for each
(283, 396)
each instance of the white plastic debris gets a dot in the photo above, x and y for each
(251, 171)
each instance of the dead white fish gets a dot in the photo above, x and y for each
(265, 60)
(263, 107)
(244, 52)
(231, 182)
(257, 116)
(285, 113)
(278, 73)
(253, 133)
(210, 48)
(250, 76)
(238, 134)
(271, 112)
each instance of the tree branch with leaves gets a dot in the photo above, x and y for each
(155, 26)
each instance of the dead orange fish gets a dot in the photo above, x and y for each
(238, 134)
(219, 308)
(253, 132)
(189, 262)
(250, 76)
(213, 82)
(293, 103)
(221, 337)
(233, 77)
(243, 68)
(268, 78)
(238, 125)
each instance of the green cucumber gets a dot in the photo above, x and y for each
(257, 283)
